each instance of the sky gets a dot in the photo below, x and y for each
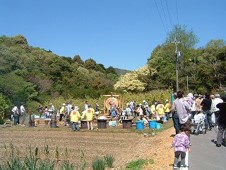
(117, 33)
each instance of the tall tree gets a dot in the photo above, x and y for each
(186, 38)
(163, 58)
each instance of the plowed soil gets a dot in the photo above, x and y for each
(125, 145)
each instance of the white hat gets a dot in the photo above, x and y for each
(217, 95)
(190, 95)
(76, 108)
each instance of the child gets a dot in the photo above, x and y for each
(180, 143)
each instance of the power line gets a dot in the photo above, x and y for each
(167, 8)
(160, 17)
(164, 15)
(177, 13)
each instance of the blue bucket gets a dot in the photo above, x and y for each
(112, 123)
(158, 126)
(139, 125)
(152, 124)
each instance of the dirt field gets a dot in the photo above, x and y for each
(124, 144)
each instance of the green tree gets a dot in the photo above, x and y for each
(78, 60)
(3, 108)
(133, 81)
(90, 64)
(186, 38)
(163, 59)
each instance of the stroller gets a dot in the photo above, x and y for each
(198, 124)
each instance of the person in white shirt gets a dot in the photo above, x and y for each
(214, 109)
(22, 115)
(15, 112)
(199, 120)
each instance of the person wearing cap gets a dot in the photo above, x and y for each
(145, 102)
(75, 118)
(167, 108)
(15, 113)
(221, 121)
(153, 109)
(140, 110)
(160, 111)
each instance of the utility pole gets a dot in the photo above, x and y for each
(177, 55)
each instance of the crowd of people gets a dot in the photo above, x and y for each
(142, 111)
(198, 112)
(69, 114)
(202, 111)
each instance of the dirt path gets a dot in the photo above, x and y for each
(124, 145)
(162, 153)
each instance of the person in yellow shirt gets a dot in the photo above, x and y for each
(89, 115)
(160, 110)
(153, 110)
(62, 112)
(167, 108)
(75, 118)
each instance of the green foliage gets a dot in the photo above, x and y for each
(14, 163)
(3, 108)
(195, 65)
(187, 38)
(109, 159)
(32, 74)
(31, 160)
(66, 165)
(83, 162)
(138, 164)
(46, 165)
(16, 88)
(98, 164)
(150, 97)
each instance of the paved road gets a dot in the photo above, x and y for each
(205, 155)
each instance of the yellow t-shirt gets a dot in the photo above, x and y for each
(153, 109)
(75, 116)
(160, 109)
(167, 107)
(89, 113)
(62, 110)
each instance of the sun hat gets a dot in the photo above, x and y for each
(217, 95)
(76, 108)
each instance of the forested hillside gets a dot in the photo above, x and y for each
(34, 74)
(200, 70)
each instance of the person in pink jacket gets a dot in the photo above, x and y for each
(180, 144)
